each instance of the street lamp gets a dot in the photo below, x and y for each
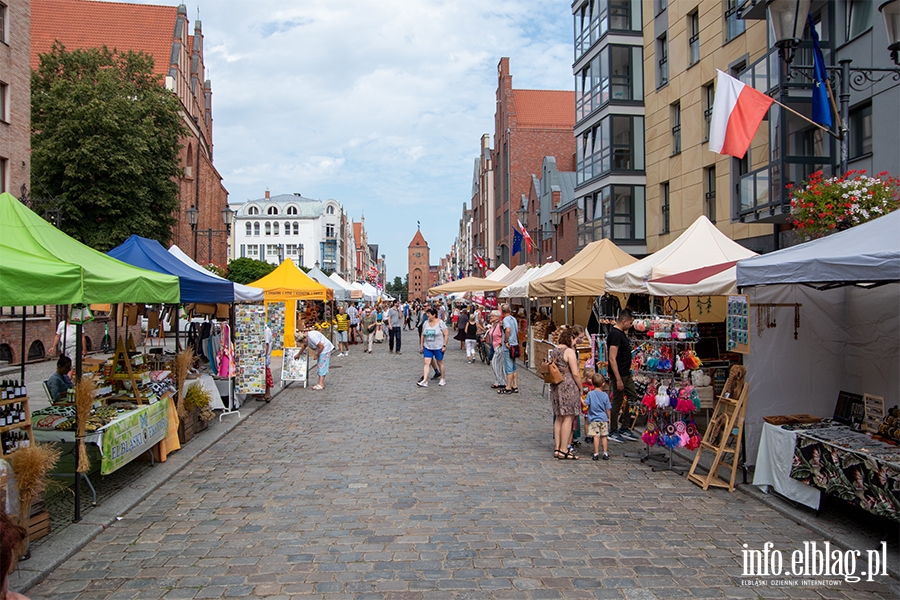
(788, 19)
(193, 217)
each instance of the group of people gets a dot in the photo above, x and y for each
(604, 412)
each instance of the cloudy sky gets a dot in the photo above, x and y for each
(379, 104)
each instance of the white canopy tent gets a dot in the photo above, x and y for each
(499, 273)
(340, 294)
(242, 293)
(847, 286)
(344, 285)
(701, 245)
(519, 289)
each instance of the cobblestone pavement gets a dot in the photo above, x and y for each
(375, 488)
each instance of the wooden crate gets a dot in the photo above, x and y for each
(186, 428)
(39, 526)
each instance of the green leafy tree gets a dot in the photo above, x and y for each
(248, 270)
(105, 145)
(399, 287)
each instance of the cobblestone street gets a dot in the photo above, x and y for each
(375, 488)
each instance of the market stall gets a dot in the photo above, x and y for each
(242, 293)
(837, 299)
(341, 294)
(354, 293)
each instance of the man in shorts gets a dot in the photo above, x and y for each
(343, 329)
(321, 348)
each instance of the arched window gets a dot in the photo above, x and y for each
(256, 228)
(249, 228)
(253, 210)
(275, 227)
(330, 210)
(273, 210)
(189, 163)
(296, 228)
(268, 228)
(292, 210)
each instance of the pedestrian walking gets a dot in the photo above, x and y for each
(322, 348)
(379, 325)
(565, 396)
(343, 330)
(395, 323)
(367, 327)
(462, 321)
(433, 344)
(510, 351)
(495, 338)
(353, 313)
(620, 366)
(471, 337)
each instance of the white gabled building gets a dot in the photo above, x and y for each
(289, 226)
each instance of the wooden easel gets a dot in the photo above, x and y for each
(723, 436)
(120, 356)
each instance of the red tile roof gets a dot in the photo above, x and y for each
(544, 108)
(418, 239)
(120, 26)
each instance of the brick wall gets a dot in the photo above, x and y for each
(15, 72)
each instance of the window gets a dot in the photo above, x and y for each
(710, 184)
(272, 210)
(249, 229)
(256, 228)
(4, 175)
(268, 227)
(330, 210)
(733, 26)
(623, 212)
(272, 250)
(661, 6)
(275, 228)
(861, 131)
(709, 97)
(253, 210)
(4, 102)
(253, 251)
(329, 231)
(694, 38)
(676, 128)
(662, 68)
(292, 210)
(296, 228)
(614, 144)
(620, 15)
(616, 74)
(3, 18)
(664, 208)
(859, 17)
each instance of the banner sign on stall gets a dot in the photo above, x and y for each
(737, 324)
(294, 365)
(130, 436)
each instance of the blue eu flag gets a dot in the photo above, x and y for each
(518, 238)
(821, 110)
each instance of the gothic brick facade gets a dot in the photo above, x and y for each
(419, 260)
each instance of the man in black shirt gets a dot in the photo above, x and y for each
(620, 368)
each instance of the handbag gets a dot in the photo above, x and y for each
(552, 375)
(514, 352)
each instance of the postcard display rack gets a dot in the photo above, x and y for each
(662, 362)
(250, 348)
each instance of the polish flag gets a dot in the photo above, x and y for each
(737, 112)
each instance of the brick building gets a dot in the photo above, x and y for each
(552, 219)
(528, 125)
(163, 32)
(15, 91)
(419, 259)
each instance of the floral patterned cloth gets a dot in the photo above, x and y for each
(855, 477)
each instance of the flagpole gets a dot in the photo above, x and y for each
(808, 120)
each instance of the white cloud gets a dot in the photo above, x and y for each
(379, 105)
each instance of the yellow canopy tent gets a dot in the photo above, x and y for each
(287, 284)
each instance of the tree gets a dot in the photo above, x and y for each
(399, 287)
(105, 145)
(248, 270)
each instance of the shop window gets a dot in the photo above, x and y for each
(693, 38)
(861, 131)
(664, 208)
(676, 128)
(859, 17)
(733, 25)
(662, 62)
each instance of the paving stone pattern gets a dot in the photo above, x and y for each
(375, 488)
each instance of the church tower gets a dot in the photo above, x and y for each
(419, 259)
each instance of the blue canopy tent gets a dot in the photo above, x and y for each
(195, 286)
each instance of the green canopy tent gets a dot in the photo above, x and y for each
(40, 264)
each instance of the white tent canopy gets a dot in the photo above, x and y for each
(519, 289)
(848, 335)
(701, 245)
(340, 293)
(499, 273)
(716, 280)
(242, 293)
(867, 253)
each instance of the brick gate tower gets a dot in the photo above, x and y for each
(419, 260)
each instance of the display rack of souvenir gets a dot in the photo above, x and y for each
(249, 347)
(276, 313)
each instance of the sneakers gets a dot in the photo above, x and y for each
(422, 383)
(341, 354)
(398, 352)
(437, 376)
(595, 457)
(606, 456)
(442, 382)
(615, 436)
(628, 434)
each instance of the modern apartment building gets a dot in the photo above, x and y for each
(610, 163)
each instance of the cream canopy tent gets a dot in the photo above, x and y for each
(499, 273)
(701, 245)
(716, 280)
(519, 289)
(584, 274)
(467, 284)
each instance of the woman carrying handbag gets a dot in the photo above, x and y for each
(565, 396)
